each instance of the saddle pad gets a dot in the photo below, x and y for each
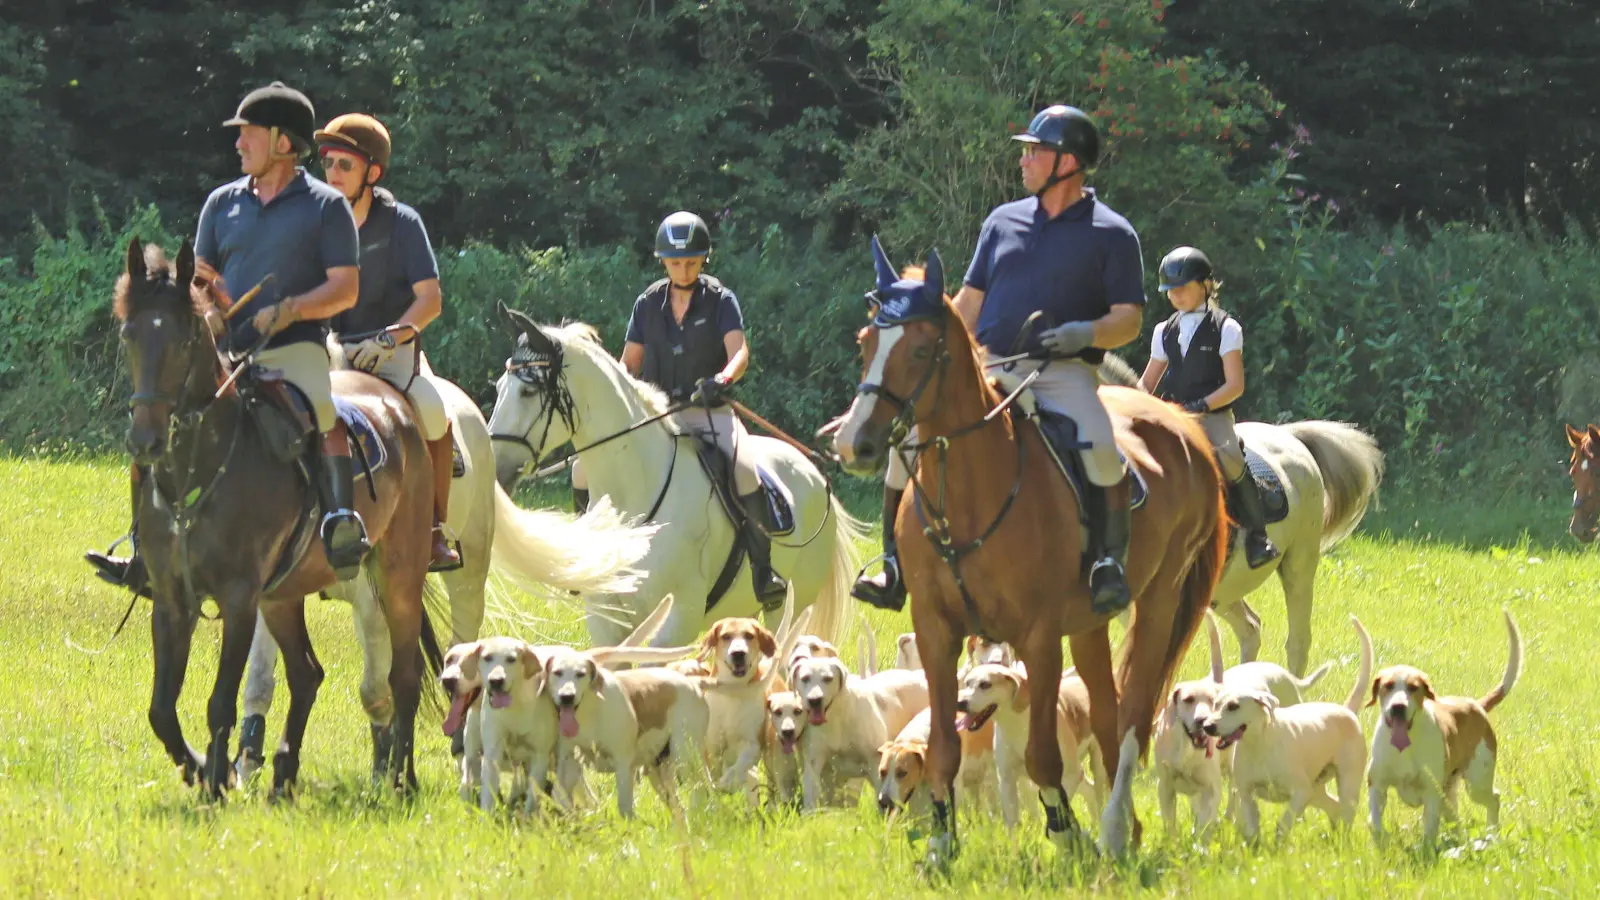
(363, 436)
(1072, 469)
(1274, 499)
(719, 471)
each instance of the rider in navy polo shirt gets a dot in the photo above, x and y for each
(1065, 254)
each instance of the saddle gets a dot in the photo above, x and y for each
(779, 520)
(1274, 498)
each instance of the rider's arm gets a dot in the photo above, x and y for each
(968, 303)
(633, 358)
(1119, 326)
(329, 298)
(1124, 291)
(421, 271)
(1233, 381)
(1157, 366)
(424, 309)
(738, 356)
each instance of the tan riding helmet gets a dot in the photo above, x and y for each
(358, 132)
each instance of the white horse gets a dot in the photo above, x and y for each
(530, 548)
(1330, 472)
(585, 397)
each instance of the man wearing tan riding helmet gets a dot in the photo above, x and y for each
(398, 298)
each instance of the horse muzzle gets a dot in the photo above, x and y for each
(146, 444)
(1584, 528)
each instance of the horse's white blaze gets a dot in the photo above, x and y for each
(1584, 465)
(844, 440)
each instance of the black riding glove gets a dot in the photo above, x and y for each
(1198, 407)
(711, 391)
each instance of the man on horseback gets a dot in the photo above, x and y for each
(399, 295)
(1064, 254)
(295, 238)
(686, 336)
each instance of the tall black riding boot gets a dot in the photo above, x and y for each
(1108, 547)
(125, 571)
(1252, 517)
(769, 585)
(886, 590)
(344, 535)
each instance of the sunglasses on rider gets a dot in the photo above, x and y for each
(342, 163)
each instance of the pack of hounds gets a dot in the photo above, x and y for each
(746, 702)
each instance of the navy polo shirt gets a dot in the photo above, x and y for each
(1073, 267)
(304, 231)
(676, 356)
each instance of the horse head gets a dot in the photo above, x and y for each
(533, 409)
(171, 357)
(902, 349)
(1585, 488)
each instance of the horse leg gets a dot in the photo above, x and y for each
(604, 619)
(372, 629)
(1042, 656)
(171, 631)
(260, 680)
(940, 648)
(399, 582)
(1091, 654)
(238, 612)
(287, 621)
(1298, 572)
(465, 587)
(1246, 626)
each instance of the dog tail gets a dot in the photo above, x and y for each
(1358, 693)
(1316, 675)
(1215, 638)
(1513, 667)
(867, 649)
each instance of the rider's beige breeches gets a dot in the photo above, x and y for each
(1068, 387)
(305, 365)
(1230, 453)
(398, 370)
(731, 438)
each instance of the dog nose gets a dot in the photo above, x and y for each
(814, 702)
(787, 731)
(737, 656)
(961, 705)
(1397, 710)
(885, 804)
(449, 685)
(498, 682)
(1210, 728)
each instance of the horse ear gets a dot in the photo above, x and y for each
(135, 266)
(1574, 437)
(518, 323)
(1594, 434)
(186, 264)
(880, 262)
(933, 280)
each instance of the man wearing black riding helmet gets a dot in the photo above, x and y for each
(399, 295)
(1064, 254)
(294, 237)
(686, 336)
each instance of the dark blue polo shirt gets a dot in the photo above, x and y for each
(676, 356)
(1073, 267)
(303, 232)
(395, 255)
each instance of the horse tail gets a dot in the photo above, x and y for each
(1194, 596)
(1352, 469)
(831, 607)
(590, 554)
(433, 600)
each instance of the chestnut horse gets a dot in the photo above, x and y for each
(1585, 472)
(990, 543)
(217, 510)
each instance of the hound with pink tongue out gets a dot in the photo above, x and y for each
(1425, 745)
(650, 719)
(1186, 759)
(1288, 755)
(848, 718)
(993, 693)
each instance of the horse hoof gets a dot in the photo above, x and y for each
(942, 850)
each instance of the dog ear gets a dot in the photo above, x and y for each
(598, 679)
(1373, 700)
(1019, 697)
(469, 661)
(1427, 687)
(767, 642)
(1268, 701)
(529, 662)
(708, 648)
(972, 647)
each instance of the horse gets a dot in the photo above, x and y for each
(528, 547)
(587, 397)
(1329, 473)
(1585, 524)
(990, 543)
(218, 510)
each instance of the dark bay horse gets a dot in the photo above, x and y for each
(216, 511)
(990, 543)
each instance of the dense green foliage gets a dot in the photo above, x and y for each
(542, 142)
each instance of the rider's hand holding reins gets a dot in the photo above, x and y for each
(275, 318)
(1197, 406)
(1068, 340)
(373, 352)
(711, 391)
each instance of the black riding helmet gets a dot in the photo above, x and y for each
(682, 234)
(1182, 266)
(1065, 129)
(282, 107)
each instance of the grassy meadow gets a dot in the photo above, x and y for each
(89, 805)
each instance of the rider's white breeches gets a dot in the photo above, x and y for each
(425, 399)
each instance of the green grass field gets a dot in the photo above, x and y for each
(89, 805)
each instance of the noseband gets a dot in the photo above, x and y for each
(542, 372)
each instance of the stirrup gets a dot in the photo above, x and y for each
(890, 593)
(1108, 587)
(344, 538)
(1259, 554)
(450, 559)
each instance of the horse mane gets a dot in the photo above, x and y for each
(584, 339)
(158, 270)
